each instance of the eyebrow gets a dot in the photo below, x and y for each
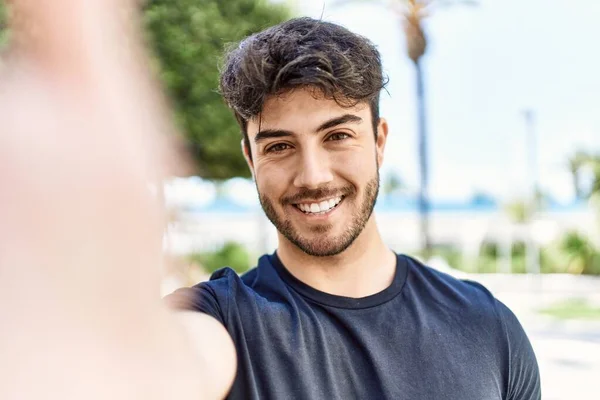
(278, 133)
(344, 119)
(271, 133)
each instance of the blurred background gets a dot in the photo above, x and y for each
(492, 168)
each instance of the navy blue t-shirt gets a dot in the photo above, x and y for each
(427, 336)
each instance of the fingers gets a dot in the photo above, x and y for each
(82, 141)
(84, 130)
(84, 134)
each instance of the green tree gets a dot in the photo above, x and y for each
(575, 163)
(231, 254)
(594, 165)
(584, 257)
(393, 184)
(580, 161)
(520, 211)
(188, 38)
(3, 28)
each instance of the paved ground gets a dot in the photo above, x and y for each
(568, 352)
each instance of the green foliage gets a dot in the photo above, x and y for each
(554, 260)
(580, 161)
(448, 253)
(188, 38)
(393, 184)
(584, 258)
(451, 254)
(232, 255)
(573, 309)
(573, 254)
(520, 211)
(3, 29)
(489, 250)
(518, 249)
(486, 264)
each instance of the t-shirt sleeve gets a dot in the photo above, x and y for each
(523, 371)
(201, 297)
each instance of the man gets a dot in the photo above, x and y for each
(333, 313)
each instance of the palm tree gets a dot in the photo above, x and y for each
(520, 212)
(583, 256)
(412, 13)
(594, 163)
(393, 184)
(576, 163)
(416, 45)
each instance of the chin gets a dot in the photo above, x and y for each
(321, 245)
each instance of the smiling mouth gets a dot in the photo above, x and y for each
(319, 208)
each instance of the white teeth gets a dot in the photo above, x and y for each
(335, 202)
(323, 206)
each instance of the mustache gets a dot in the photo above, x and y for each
(317, 194)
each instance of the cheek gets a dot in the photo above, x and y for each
(355, 166)
(271, 181)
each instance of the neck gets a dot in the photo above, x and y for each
(365, 268)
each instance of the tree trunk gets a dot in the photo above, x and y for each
(423, 162)
(576, 184)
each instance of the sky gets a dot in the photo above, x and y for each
(485, 65)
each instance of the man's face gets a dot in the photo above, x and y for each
(316, 164)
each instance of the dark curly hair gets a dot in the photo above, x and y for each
(302, 52)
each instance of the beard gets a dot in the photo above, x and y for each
(319, 244)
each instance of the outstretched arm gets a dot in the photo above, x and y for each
(83, 133)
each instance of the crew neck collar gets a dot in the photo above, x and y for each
(341, 301)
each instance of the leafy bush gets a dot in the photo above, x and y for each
(489, 249)
(519, 249)
(232, 255)
(450, 254)
(574, 254)
(3, 29)
(575, 308)
(584, 258)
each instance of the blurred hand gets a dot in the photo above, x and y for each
(83, 136)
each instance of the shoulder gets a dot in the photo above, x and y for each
(219, 285)
(466, 296)
(524, 374)
(448, 291)
(466, 304)
(206, 297)
(474, 309)
(224, 287)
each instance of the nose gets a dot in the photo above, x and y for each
(313, 170)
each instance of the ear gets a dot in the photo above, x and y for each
(248, 156)
(382, 132)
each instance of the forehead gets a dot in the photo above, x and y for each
(302, 110)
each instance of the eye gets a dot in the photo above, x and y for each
(277, 148)
(338, 136)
